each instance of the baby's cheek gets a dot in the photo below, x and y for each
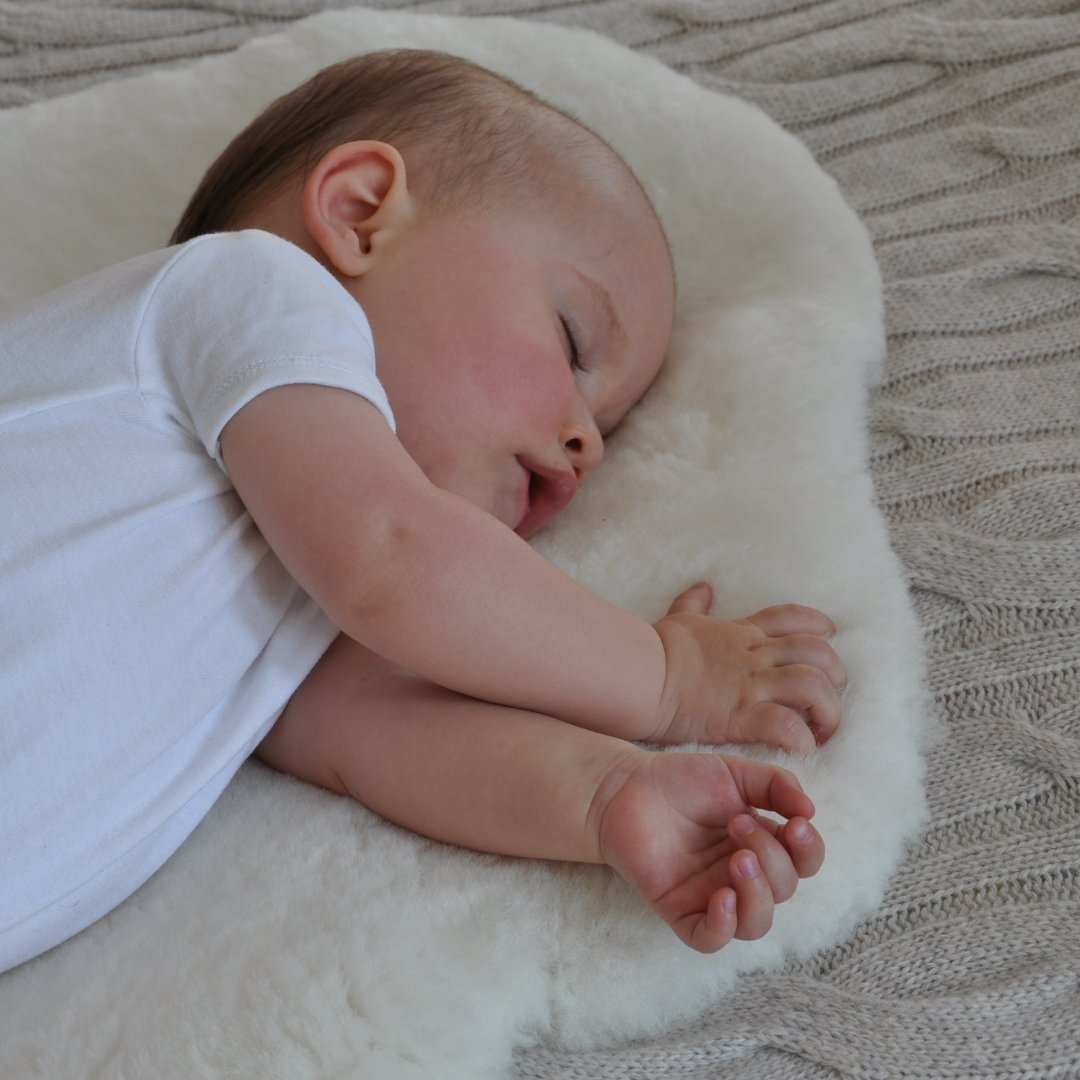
(528, 385)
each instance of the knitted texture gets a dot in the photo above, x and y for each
(952, 128)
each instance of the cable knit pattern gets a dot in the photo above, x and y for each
(954, 129)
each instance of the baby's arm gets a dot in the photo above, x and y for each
(426, 579)
(501, 780)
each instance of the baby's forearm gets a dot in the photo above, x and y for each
(463, 771)
(428, 580)
(484, 614)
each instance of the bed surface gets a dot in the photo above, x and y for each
(952, 129)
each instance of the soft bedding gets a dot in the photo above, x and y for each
(296, 935)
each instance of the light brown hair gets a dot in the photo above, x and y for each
(474, 131)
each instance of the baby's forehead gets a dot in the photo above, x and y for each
(594, 179)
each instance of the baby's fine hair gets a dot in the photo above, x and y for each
(471, 132)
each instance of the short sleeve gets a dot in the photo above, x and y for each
(232, 315)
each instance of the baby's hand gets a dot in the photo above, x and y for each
(770, 678)
(680, 829)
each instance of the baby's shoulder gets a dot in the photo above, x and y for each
(251, 272)
(252, 253)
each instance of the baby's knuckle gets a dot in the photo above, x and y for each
(758, 930)
(749, 635)
(822, 651)
(792, 731)
(785, 889)
(813, 679)
(788, 776)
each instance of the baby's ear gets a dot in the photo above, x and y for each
(354, 201)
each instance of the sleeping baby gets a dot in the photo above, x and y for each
(268, 491)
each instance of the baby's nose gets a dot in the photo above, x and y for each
(584, 446)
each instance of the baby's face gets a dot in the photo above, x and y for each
(510, 342)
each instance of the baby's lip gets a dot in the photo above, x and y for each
(549, 490)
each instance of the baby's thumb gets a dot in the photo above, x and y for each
(693, 601)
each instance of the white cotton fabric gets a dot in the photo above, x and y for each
(150, 637)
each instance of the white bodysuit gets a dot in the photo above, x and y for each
(148, 636)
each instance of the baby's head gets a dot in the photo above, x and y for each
(516, 278)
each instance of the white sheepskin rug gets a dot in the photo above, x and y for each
(296, 935)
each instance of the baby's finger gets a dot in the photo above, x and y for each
(696, 600)
(777, 725)
(768, 787)
(810, 650)
(804, 845)
(712, 931)
(803, 842)
(803, 687)
(769, 823)
(755, 900)
(785, 619)
(773, 858)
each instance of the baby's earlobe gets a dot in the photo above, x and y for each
(358, 241)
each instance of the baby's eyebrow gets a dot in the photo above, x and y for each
(601, 300)
(612, 329)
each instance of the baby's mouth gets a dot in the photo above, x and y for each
(548, 493)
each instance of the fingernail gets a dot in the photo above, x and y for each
(741, 826)
(747, 866)
(727, 902)
(800, 830)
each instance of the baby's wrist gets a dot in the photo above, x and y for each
(667, 631)
(623, 763)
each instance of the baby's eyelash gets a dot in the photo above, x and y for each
(577, 361)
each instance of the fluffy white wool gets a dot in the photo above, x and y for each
(296, 935)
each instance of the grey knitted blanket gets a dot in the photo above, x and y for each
(953, 128)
